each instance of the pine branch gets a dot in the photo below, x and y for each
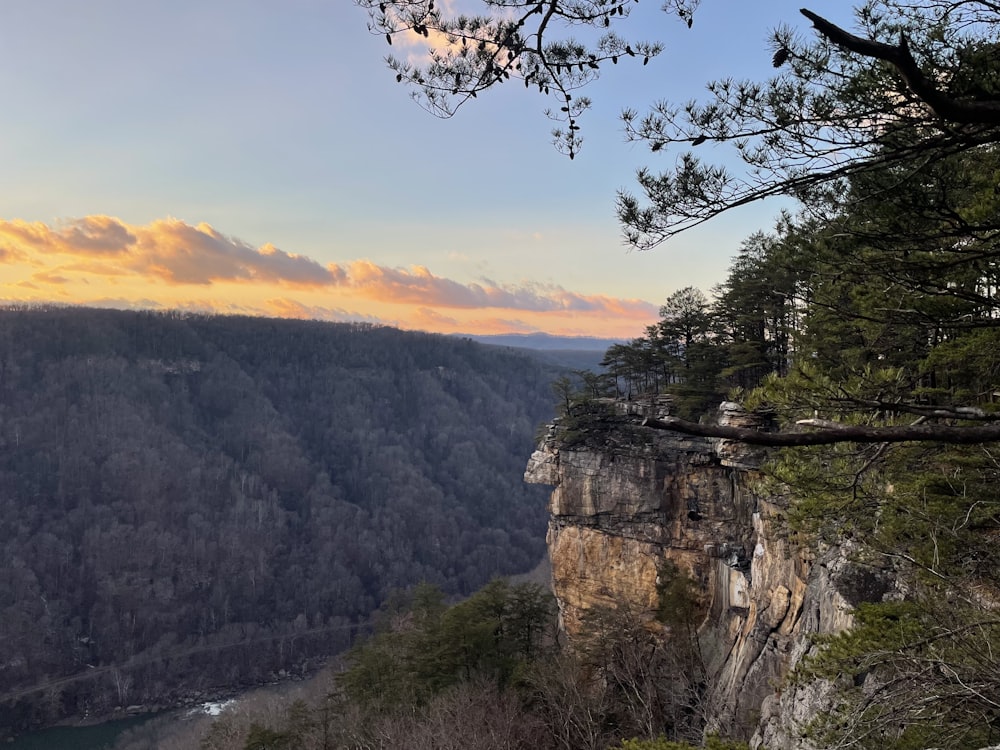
(965, 111)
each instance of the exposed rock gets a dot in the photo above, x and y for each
(617, 511)
(741, 455)
(628, 499)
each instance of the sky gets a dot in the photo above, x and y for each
(258, 157)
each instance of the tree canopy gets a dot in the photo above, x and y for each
(916, 85)
(512, 40)
(918, 82)
(864, 327)
(885, 137)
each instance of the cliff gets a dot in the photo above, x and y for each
(627, 499)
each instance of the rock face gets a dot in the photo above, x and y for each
(628, 499)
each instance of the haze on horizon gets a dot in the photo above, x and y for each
(240, 157)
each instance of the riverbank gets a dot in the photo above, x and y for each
(178, 725)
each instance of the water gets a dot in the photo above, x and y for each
(96, 737)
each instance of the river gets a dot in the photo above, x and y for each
(96, 737)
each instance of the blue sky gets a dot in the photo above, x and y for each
(249, 156)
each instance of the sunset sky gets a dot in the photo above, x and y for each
(258, 157)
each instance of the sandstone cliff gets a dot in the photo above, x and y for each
(627, 499)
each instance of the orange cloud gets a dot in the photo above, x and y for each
(290, 308)
(101, 260)
(429, 319)
(95, 269)
(419, 286)
(97, 235)
(49, 278)
(499, 325)
(181, 254)
(169, 249)
(12, 255)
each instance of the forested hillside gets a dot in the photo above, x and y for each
(189, 501)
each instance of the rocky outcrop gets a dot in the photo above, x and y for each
(627, 499)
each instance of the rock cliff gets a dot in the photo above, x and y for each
(626, 499)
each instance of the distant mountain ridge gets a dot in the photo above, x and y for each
(571, 352)
(545, 341)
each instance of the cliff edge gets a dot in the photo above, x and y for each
(628, 499)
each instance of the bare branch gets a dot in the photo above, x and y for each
(965, 111)
(829, 436)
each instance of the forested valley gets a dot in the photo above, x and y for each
(863, 330)
(193, 502)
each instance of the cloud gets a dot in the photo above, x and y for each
(414, 41)
(172, 251)
(290, 308)
(419, 286)
(91, 235)
(12, 255)
(182, 254)
(500, 325)
(430, 319)
(99, 235)
(49, 278)
(172, 260)
(169, 249)
(420, 47)
(96, 268)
